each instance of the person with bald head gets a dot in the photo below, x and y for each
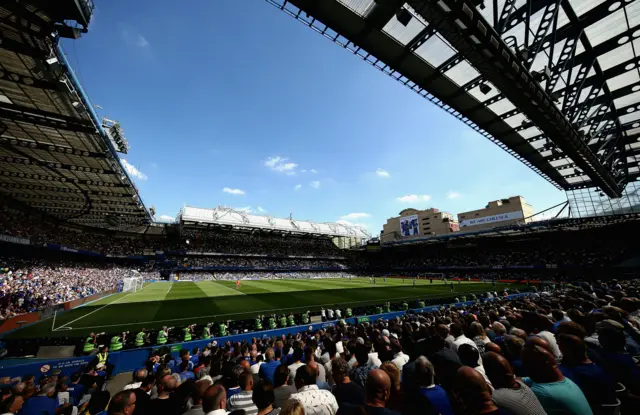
(556, 393)
(315, 401)
(377, 393)
(596, 384)
(214, 400)
(472, 393)
(164, 404)
(510, 393)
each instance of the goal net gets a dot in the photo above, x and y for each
(132, 284)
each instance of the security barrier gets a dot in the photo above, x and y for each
(132, 359)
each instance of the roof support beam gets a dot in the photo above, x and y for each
(16, 142)
(63, 190)
(488, 53)
(44, 118)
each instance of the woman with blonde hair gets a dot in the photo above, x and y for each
(293, 407)
(395, 397)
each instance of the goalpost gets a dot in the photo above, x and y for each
(133, 283)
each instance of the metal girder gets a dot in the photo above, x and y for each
(22, 48)
(45, 118)
(28, 80)
(64, 190)
(69, 199)
(10, 142)
(463, 27)
(52, 164)
(47, 178)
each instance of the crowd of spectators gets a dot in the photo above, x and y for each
(586, 248)
(569, 351)
(261, 263)
(242, 275)
(243, 243)
(34, 284)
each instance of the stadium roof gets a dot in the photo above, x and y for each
(55, 154)
(555, 83)
(238, 219)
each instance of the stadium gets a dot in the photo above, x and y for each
(107, 309)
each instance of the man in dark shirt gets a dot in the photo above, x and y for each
(345, 390)
(597, 385)
(76, 389)
(142, 395)
(164, 404)
(378, 390)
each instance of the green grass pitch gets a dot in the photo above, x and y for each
(182, 303)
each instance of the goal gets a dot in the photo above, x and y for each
(132, 284)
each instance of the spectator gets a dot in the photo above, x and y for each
(469, 356)
(263, 398)
(282, 390)
(143, 395)
(510, 393)
(234, 379)
(377, 395)
(123, 402)
(43, 403)
(423, 384)
(473, 393)
(459, 337)
(618, 362)
(268, 368)
(293, 408)
(360, 373)
(395, 397)
(314, 401)
(399, 358)
(293, 368)
(214, 401)
(243, 400)
(345, 390)
(556, 393)
(196, 398)
(138, 377)
(163, 404)
(595, 383)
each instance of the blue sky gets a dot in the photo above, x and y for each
(234, 103)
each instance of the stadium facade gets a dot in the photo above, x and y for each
(415, 223)
(503, 212)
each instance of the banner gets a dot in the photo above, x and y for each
(409, 226)
(14, 239)
(492, 219)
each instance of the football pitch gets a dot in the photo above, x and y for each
(182, 303)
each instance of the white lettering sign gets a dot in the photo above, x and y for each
(501, 217)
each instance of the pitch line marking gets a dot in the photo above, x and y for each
(251, 312)
(65, 326)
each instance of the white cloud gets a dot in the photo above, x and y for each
(245, 209)
(303, 171)
(382, 173)
(133, 171)
(352, 216)
(133, 39)
(314, 171)
(281, 165)
(453, 195)
(349, 223)
(166, 218)
(414, 198)
(315, 184)
(141, 42)
(297, 187)
(233, 191)
(261, 210)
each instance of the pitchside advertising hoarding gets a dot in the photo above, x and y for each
(501, 217)
(409, 226)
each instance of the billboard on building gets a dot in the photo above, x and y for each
(501, 217)
(409, 226)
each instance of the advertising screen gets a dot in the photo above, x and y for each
(409, 226)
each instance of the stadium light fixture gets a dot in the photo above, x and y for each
(403, 16)
(485, 88)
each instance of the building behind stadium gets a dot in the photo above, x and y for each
(503, 212)
(413, 223)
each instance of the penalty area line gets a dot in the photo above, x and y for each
(65, 326)
(260, 311)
